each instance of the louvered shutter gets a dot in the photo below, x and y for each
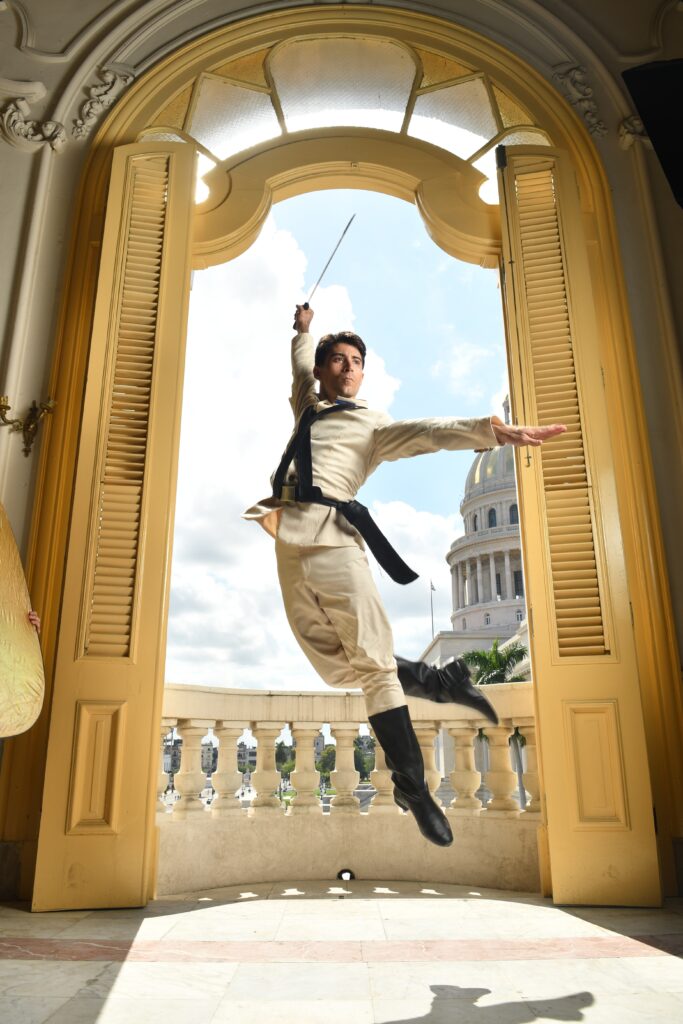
(591, 738)
(96, 844)
(122, 460)
(553, 397)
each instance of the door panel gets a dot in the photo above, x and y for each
(96, 842)
(591, 734)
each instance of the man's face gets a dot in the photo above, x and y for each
(342, 374)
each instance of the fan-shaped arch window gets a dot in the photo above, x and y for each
(492, 517)
(349, 81)
(487, 619)
(363, 83)
(464, 623)
(514, 515)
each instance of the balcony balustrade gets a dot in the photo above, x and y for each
(207, 844)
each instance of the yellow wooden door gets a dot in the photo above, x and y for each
(591, 735)
(96, 845)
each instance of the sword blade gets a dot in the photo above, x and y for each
(324, 270)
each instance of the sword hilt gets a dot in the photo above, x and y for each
(305, 306)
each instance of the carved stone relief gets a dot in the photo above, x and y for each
(114, 81)
(20, 131)
(574, 82)
(632, 130)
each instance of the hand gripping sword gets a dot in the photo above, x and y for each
(324, 271)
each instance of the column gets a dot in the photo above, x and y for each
(480, 581)
(532, 782)
(305, 778)
(465, 779)
(492, 574)
(345, 778)
(163, 775)
(500, 778)
(426, 734)
(508, 578)
(472, 599)
(226, 779)
(190, 780)
(461, 585)
(454, 587)
(266, 778)
(383, 802)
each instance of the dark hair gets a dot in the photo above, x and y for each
(328, 340)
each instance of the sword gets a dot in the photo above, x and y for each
(315, 286)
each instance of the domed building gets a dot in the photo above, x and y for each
(486, 563)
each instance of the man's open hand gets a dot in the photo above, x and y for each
(506, 433)
(302, 319)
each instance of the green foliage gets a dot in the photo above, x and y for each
(287, 767)
(283, 753)
(364, 756)
(326, 762)
(496, 666)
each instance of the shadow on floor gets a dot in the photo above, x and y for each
(451, 1006)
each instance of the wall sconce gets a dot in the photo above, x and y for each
(29, 425)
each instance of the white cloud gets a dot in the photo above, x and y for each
(462, 367)
(497, 398)
(226, 622)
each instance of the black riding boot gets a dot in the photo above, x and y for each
(450, 684)
(396, 736)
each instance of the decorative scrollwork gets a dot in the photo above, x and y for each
(114, 81)
(574, 81)
(23, 133)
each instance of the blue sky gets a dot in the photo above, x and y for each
(435, 340)
(418, 307)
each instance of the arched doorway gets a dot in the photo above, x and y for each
(96, 843)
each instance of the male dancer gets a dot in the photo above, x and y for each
(330, 598)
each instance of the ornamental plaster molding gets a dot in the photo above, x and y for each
(23, 133)
(573, 79)
(10, 88)
(632, 130)
(101, 97)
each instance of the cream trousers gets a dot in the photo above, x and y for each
(338, 619)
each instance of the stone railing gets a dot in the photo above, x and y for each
(206, 845)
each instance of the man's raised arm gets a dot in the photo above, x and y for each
(303, 381)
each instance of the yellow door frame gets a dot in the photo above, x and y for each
(23, 769)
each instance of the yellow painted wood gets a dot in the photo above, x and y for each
(22, 678)
(97, 830)
(598, 795)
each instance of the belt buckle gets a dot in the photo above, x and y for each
(288, 494)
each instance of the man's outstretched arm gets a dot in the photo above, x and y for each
(406, 438)
(303, 381)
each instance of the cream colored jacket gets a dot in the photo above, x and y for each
(345, 449)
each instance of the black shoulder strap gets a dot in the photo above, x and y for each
(299, 448)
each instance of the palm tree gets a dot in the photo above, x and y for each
(496, 666)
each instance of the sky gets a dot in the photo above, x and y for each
(434, 330)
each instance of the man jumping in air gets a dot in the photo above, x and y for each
(330, 598)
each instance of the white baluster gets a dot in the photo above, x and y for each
(226, 779)
(345, 778)
(166, 727)
(383, 801)
(500, 778)
(266, 778)
(191, 780)
(465, 779)
(426, 735)
(532, 782)
(305, 778)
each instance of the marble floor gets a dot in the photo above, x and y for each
(358, 952)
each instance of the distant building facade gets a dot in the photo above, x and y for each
(487, 578)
